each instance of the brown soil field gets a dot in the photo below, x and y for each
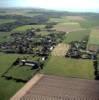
(68, 27)
(75, 18)
(60, 50)
(60, 88)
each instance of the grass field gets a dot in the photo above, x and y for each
(9, 87)
(94, 37)
(3, 21)
(26, 27)
(68, 26)
(76, 36)
(62, 66)
(43, 33)
(4, 36)
(75, 18)
(91, 21)
(23, 73)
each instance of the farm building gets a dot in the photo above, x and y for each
(93, 43)
(48, 87)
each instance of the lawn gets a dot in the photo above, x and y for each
(76, 36)
(62, 66)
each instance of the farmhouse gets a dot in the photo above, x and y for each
(33, 64)
(93, 43)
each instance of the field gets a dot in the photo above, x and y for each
(9, 87)
(94, 37)
(26, 27)
(60, 50)
(76, 36)
(68, 26)
(62, 66)
(60, 88)
(75, 18)
(3, 21)
(23, 73)
(93, 43)
(4, 36)
(77, 26)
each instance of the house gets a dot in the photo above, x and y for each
(32, 64)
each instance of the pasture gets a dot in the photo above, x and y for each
(3, 21)
(9, 87)
(4, 36)
(76, 36)
(75, 18)
(27, 27)
(93, 42)
(68, 26)
(75, 68)
(94, 37)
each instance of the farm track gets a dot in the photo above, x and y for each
(60, 50)
(60, 88)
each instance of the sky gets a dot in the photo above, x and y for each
(61, 5)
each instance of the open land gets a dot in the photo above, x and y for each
(15, 29)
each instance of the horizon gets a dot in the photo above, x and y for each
(59, 5)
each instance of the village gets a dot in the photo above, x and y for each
(39, 47)
(50, 55)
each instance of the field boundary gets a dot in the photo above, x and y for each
(27, 87)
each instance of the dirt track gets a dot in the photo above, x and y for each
(27, 87)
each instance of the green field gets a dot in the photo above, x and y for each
(21, 72)
(3, 21)
(94, 37)
(9, 87)
(69, 67)
(43, 33)
(76, 36)
(91, 21)
(4, 36)
(26, 27)
(78, 27)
